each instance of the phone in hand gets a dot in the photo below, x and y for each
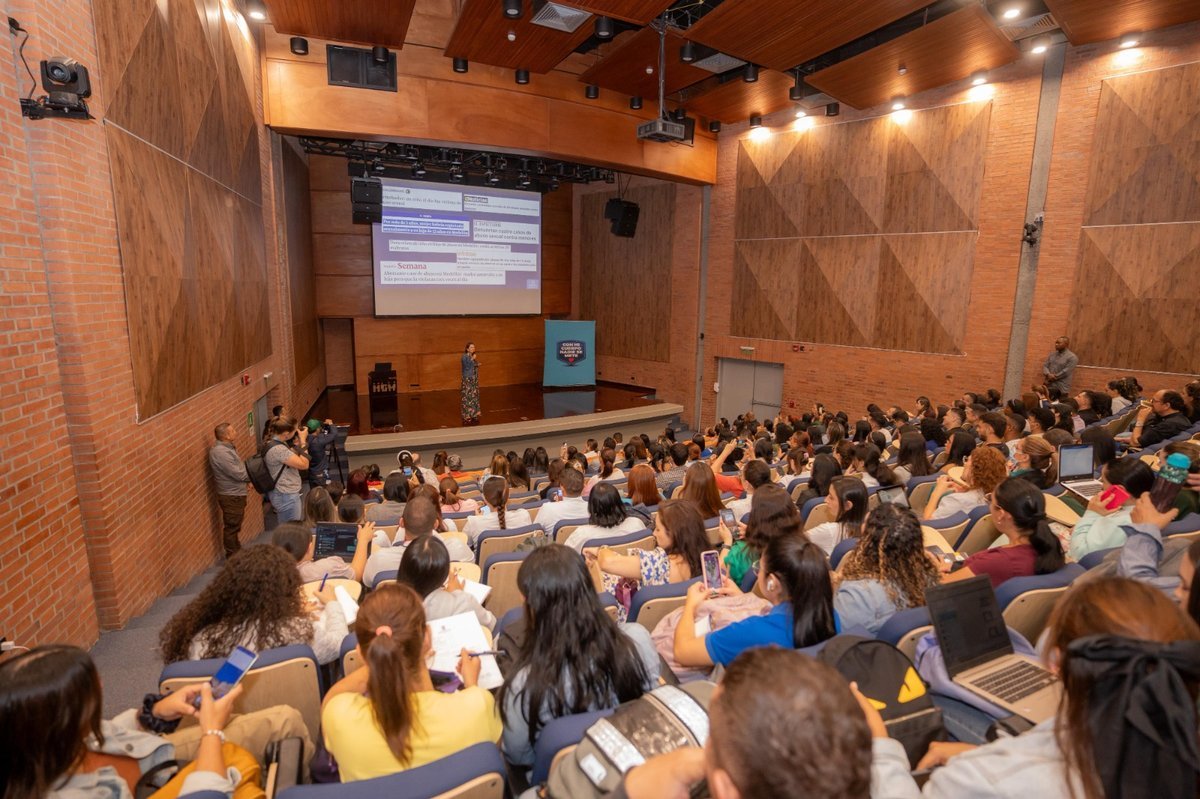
(710, 561)
(1114, 497)
(232, 671)
(730, 523)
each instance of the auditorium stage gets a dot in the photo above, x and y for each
(513, 417)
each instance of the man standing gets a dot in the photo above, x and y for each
(1059, 366)
(229, 475)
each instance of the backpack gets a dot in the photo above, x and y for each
(663, 720)
(890, 681)
(259, 474)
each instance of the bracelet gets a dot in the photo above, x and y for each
(219, 733)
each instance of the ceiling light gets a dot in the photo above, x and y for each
(592, 92)
(1012, 12)
(1128, 40)
(756, 121)
(750, 73)
(512, 8)
(605, 28)
(522, 76)
(687, 52)
(299, 45)
(1040, 45)
(460, 65)
(380, 54)
(979, 78)
(635, 103)
(714, 126)
(898, 104)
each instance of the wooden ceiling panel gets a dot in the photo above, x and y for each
(1086, 21)
(623, 68)
(481, 34)
(781, 34)
(637, 11)
(736, 100)
(944, 51)
(367, 22)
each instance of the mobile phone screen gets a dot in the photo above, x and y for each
(711, 561)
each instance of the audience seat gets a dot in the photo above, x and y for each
(905, 628)
(287, 675)
(918, 491)
(557, 739)
(1026, 602)
(840, 550)
(564, 527)
(477, 772)
(493, 542)
(652, 602)
(638, 539)
(500, 574)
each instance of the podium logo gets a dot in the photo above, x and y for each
(571, 352)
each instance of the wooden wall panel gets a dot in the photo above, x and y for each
(1135, 304)
(862, 233)
(625, 283)
(424, 350)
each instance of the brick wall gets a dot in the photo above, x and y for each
(83, 472)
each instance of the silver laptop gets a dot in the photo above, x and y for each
(979, 655)
(1076, 470)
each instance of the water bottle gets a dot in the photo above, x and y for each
(1169, 481)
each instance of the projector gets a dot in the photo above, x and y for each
(662, 130)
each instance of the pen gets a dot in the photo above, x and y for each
(485, 652)
(323, 579)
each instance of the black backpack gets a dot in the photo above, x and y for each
(260, 476)
(890, 681)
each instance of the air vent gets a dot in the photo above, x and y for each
(557, 16)
(355, 67)
(718, 63)
(1033, 26)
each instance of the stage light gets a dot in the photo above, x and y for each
(299, 45)
(512, 9)
(756, 121)
(635, 103)
(1012, 12)
(1128, 40)
(460, 65)
(604, 28)
(522, 76)
(750, 73)
(898, 104)
(714, 126)
(687, 52)
(1040, 45)
(592, 92)
(979, 78)
(380, 54)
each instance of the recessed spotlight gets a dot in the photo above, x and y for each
(756, 121)
(1012, 12)
(898, 104)
(257, 15)
(979, 78)
(1128, 40)
(512, 8)
(460, 65)
(522, 76)
(298, 45)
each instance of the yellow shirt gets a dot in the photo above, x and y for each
(445, 724)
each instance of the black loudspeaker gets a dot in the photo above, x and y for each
(366, 197)
(624, 217)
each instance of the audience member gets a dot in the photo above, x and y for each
(395, 495)
(229, 480)
(887, 571)
(571, 506)
(772, 515)
(1163, 419)
(1100, 528)
(573, 657)
(847, 503)
(425, 567)
(255, 601)
(984, 470)
(299, 542)
(386, 716)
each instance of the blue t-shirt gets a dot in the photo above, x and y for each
(774, 628)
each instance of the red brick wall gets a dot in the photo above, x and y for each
(82, 470)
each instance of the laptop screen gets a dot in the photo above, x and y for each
(1075, 462)
(336, 539)
(969, 626)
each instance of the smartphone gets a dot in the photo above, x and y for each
(729, 521)
(230, 674)
(1114, 497)
(711, 563)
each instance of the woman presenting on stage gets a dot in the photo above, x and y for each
(470, 385)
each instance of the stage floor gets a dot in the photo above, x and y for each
(439, 410)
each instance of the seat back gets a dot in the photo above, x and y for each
(559, 734)
(493, 542)
(500, 574)
(652, 602)
(918, 491)
(905, 628)
(287, 675)
(638, 539)
(1026, 602)
(818, 515)
(477, 772)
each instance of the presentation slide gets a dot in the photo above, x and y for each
(450, 250)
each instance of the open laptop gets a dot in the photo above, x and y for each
(979, 655)
(1076, 470)
(336, 539)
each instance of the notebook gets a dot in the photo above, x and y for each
(979, 654)
(1076, 470)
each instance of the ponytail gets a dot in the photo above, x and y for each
(804, 570)
(1027, 505)
(390, 630)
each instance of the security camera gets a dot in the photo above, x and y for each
(66, 83)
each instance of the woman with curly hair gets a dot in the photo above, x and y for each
(985, 469)
(887, 572)
(255, 601)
